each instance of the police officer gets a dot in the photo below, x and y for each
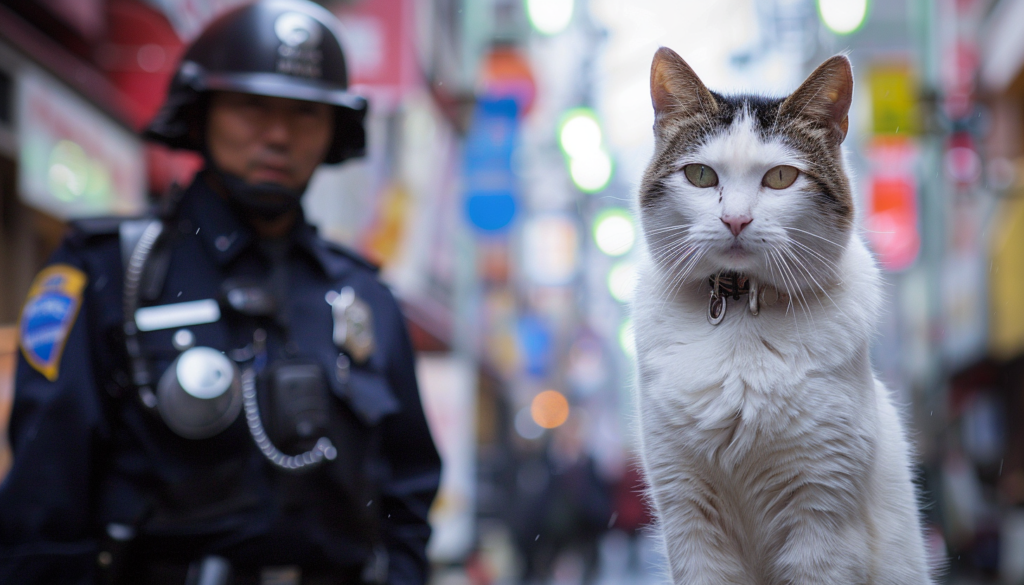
(217, 394)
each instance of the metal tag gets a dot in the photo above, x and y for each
(353, 324)
(716, 309)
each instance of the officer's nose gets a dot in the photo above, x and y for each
(277, 130)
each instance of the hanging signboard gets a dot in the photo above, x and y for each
(379, 43)
(892, 216)
(894, 100)
(490, 184)
(75, 161)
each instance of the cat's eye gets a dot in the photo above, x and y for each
(780, 177)
(701, 175)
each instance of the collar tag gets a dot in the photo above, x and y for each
(730, 284)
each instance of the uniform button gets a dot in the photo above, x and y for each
(342, 368)
(183, 339)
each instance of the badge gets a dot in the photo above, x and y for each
(299, 52)
(353, 324)
(50, 311)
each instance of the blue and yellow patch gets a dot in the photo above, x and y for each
(50, 311)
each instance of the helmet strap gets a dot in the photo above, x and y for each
(266, 201)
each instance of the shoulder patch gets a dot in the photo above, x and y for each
(50, 311)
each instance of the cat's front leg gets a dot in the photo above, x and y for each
(699, 549)
(825, 548)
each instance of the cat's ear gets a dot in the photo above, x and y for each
(675, 88)
(824, 97)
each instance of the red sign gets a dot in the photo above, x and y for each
(507, 74)
(891, 220)
(378, 39)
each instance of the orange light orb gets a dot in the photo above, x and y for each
(549, 409)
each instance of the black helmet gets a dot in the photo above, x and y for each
(278, 48)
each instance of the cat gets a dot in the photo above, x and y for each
(772, 453)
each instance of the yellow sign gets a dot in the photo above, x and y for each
(894, 100)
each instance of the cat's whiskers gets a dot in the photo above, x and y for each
(682, 253)
(679, 276)
(791, 303)
(830, 265)
(792, 287)
(820, 237)
(822, 288)
(668, 228)
(811, 281)
(669, 248)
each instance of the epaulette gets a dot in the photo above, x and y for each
(86, 230)
(96, 226)
(352, 255)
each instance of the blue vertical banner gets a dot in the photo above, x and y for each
(490, 185)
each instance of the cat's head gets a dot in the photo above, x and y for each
(745, 183)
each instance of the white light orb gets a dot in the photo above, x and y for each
(614, 232)
(843, 16)
(591, 173)
(627, 339)
(549, 17)
(580, 135)
(622, 281)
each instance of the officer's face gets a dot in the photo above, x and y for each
(267, 139)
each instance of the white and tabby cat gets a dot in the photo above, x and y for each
(773, 455)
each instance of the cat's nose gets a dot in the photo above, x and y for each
(736, 223)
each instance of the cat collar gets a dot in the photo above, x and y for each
(731, 284)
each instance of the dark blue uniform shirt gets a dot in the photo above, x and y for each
(88, 454)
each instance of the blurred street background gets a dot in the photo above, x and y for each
(506, 142)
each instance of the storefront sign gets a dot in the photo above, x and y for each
(75, 161)
(892, 217)
(490, 184)
(894, 100)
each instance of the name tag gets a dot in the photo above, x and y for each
(177, 315)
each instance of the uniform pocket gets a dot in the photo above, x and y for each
(365, 391)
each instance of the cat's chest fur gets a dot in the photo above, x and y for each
(774, 390)
(760, 410)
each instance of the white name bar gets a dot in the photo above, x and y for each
(177, 315)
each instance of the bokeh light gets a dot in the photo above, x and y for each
(549, 17)
(622, 281)
(549, 409)
(525, 425)
(580, 134)
(843, 16)
(591, 173)
(614, 232)
(627, 339)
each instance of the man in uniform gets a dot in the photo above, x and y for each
(217, 395)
